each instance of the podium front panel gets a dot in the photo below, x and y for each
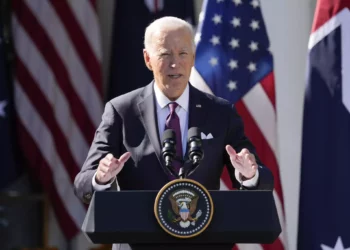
(240, 216)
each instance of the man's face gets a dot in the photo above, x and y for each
(171, 59)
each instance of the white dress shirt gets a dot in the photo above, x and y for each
(182, 111)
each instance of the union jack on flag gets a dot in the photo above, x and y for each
(233, 61)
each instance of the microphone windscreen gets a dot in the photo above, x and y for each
(193, 132)
(169, 134)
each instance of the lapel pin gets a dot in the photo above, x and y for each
(198, 106)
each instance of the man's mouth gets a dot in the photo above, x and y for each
(175, 76)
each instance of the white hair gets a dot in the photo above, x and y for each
(163, 23)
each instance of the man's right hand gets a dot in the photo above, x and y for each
(109, 167)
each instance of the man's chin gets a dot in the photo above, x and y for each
(178, 84)
(173, 91)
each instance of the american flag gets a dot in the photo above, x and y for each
(58, 95)
(233, 61)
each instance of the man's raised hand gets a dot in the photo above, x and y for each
(243, 161)
(109, 167)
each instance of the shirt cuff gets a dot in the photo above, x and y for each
(101, 187)
(248, 183)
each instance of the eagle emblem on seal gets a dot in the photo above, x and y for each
(184, 205)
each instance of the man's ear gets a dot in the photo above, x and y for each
(146, 57)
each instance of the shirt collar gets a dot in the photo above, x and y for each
(163, 101)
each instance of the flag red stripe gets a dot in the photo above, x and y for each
(276, 245)
(43, 43)
(42, 172)
(263, 149)
(268, 84)
(225, 177)
(46, 112)
(325, 10)
(80, 42)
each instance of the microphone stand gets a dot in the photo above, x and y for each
(187, 169)
(182, 171)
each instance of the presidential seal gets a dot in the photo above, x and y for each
(183, 208)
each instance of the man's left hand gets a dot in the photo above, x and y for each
(243, 161)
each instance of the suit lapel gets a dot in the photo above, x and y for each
(148, 117)
(198, 109)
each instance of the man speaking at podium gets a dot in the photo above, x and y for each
(126, 152)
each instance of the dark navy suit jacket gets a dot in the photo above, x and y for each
(129, 123)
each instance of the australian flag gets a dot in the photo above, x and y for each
(324, 214)
(8, 170)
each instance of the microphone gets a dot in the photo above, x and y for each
(195, 152)
(169, 149)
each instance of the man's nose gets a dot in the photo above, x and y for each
(174, 61)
